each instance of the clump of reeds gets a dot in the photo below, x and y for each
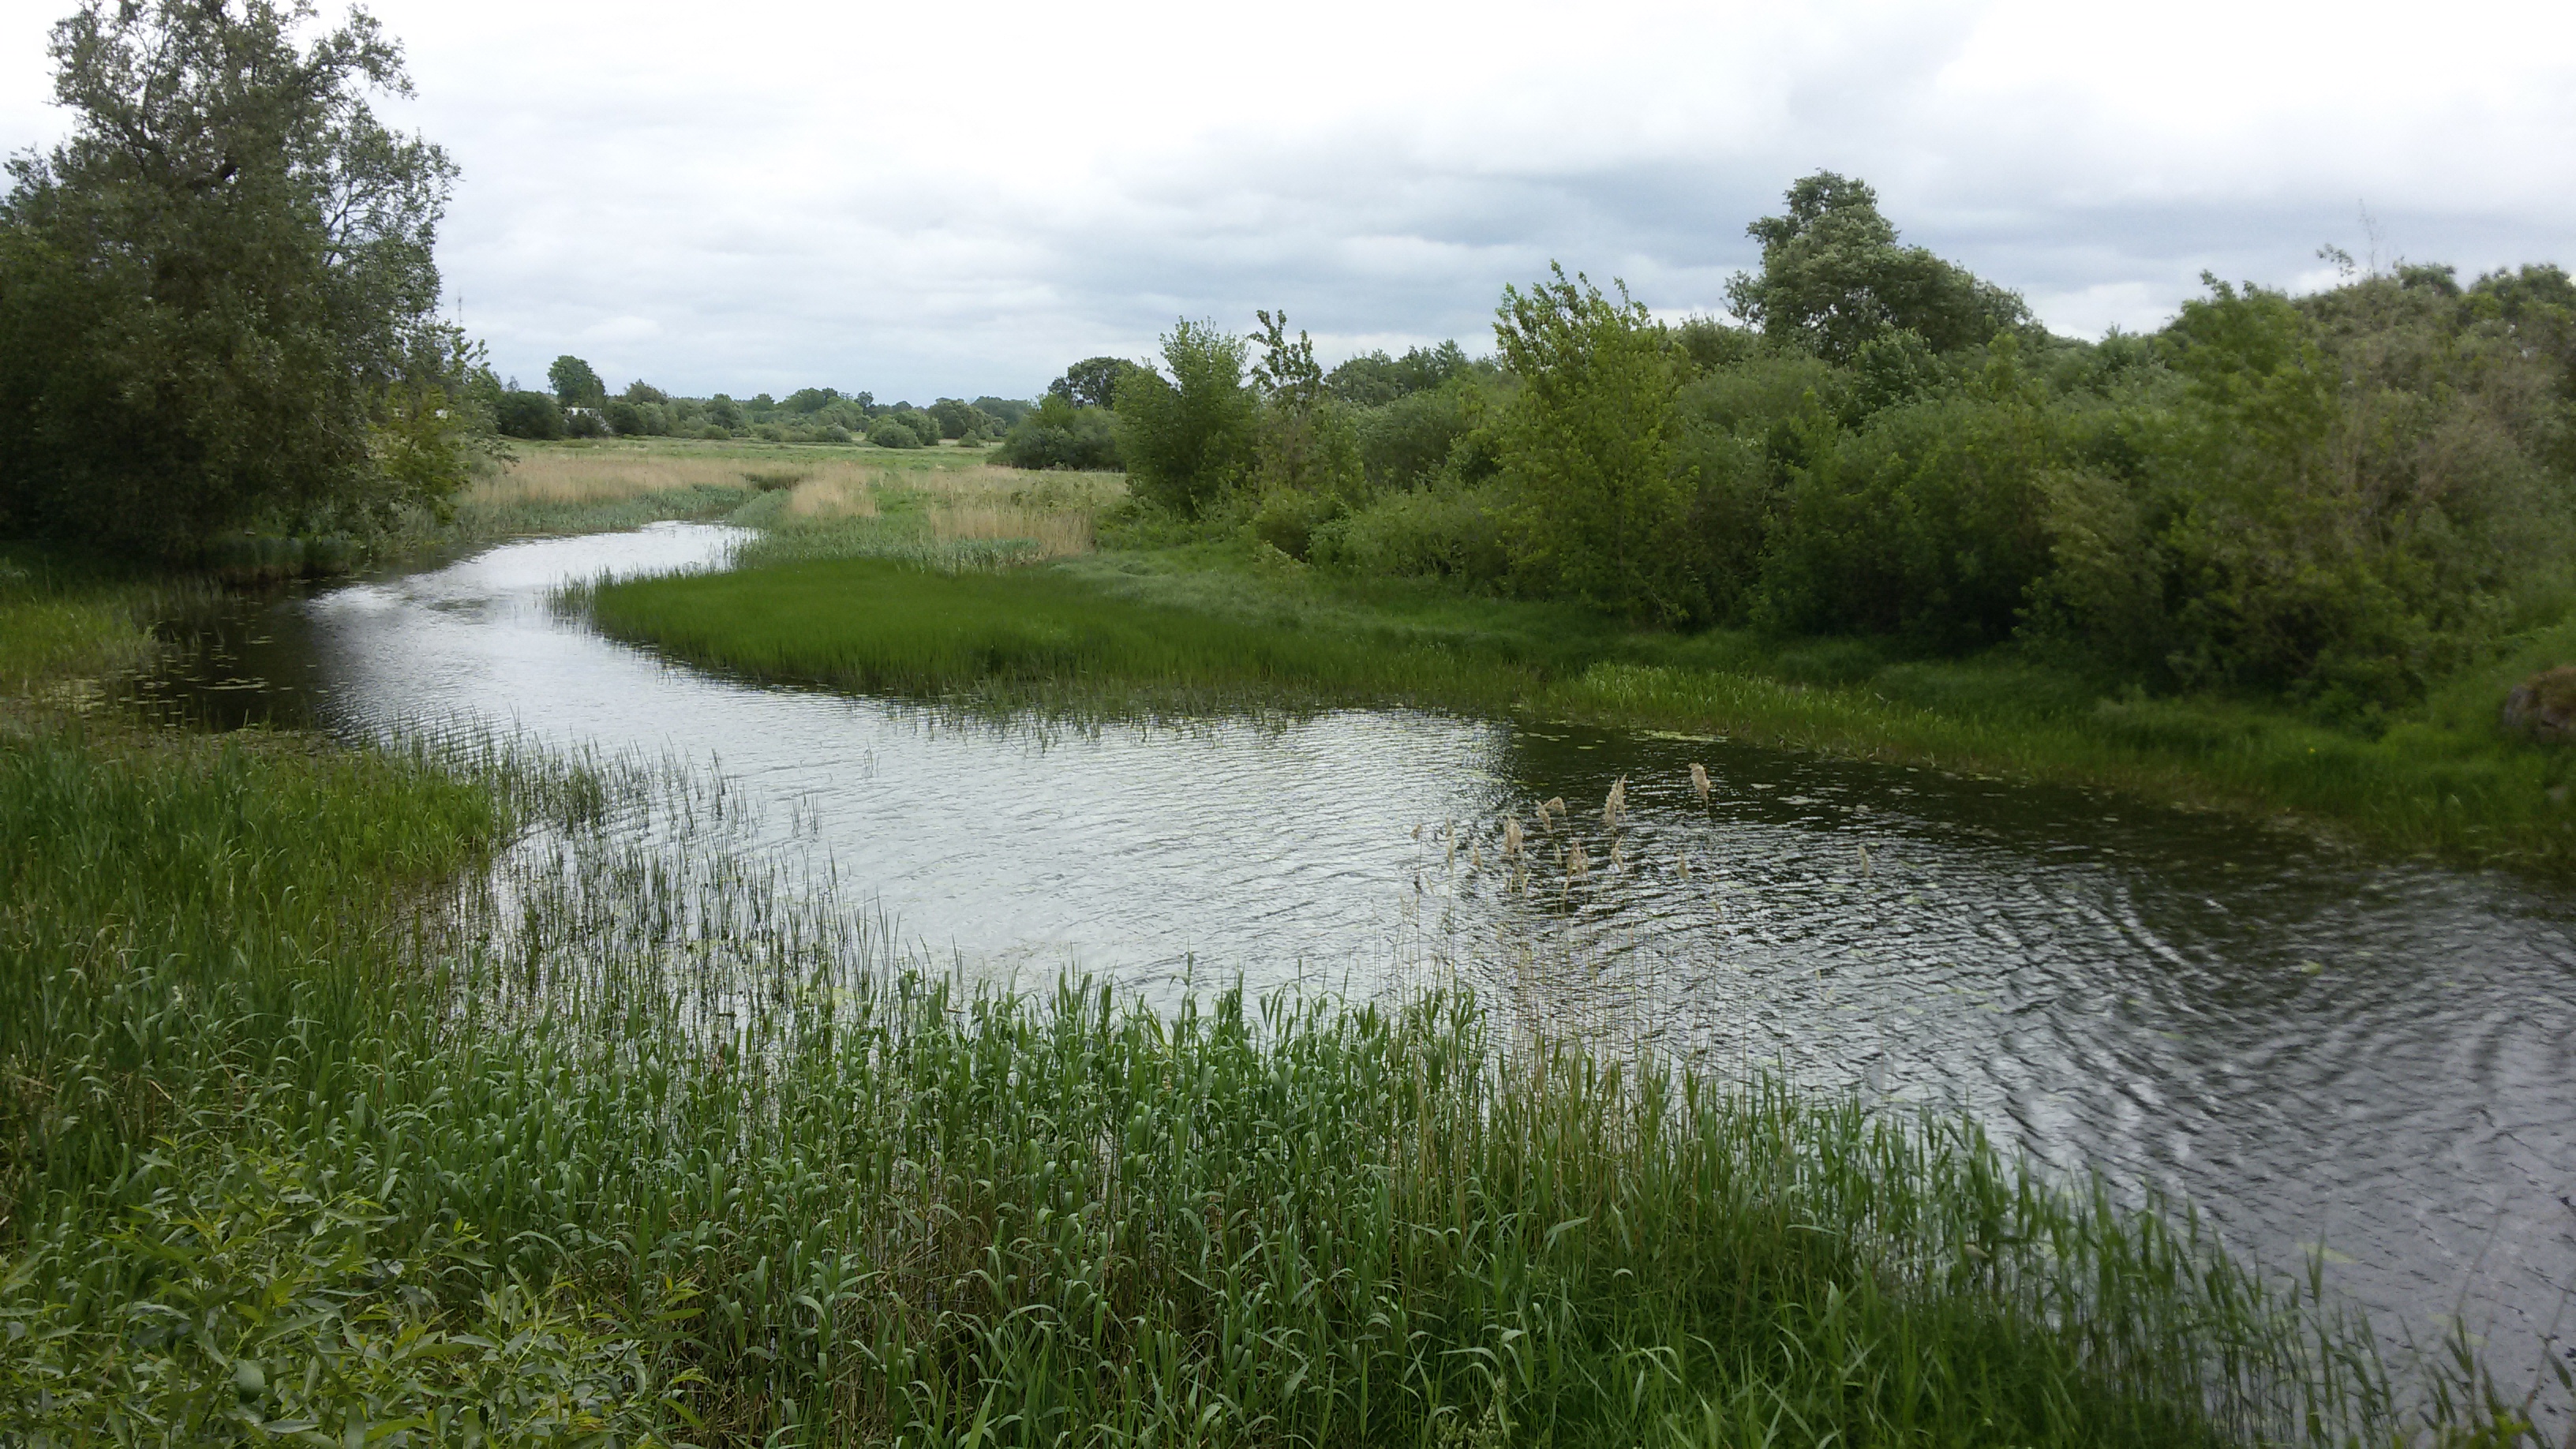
(1512, 838)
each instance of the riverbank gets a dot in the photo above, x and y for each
(1207, 625)
(636, 1140)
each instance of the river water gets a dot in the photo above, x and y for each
(2338, 1058)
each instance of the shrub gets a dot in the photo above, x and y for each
(1288, 519)
(1403, 443)
(1931, 520)
(1188, 439)
(1060, 435)
(1596, 512)
(1445, 530)
(891, 432)
(529, 415)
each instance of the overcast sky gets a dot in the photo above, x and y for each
(953, 200)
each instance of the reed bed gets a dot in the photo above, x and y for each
(445, 1094)
(644, 1138)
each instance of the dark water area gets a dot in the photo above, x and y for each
(2365, 1063)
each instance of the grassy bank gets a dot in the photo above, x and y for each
(1202, 627)
(392, 1097)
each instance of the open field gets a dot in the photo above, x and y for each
(1198, 628)
(836, 500)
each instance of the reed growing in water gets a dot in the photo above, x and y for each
(440, 1095)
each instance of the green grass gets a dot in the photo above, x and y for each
(1194, 628)
(393, 1096)
(757, 1179)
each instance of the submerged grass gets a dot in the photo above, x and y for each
(1117, 634)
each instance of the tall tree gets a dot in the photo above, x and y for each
(576, 385)
(1834, 279)
(1092, 382)
(217, 294)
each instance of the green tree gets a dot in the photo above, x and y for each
(1597, 510)
(1092, 382)
(529, 415)
(574, 384)
(1056, 434)
(218, 292)
(958, 419)
(1374, 379)
(1188, 439)
(1834, 279)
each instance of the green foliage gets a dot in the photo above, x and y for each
(249, 1306)
(1058, 435)
(1833, 279)
(1188, 439)
(211, 290)
(1306, 455)
(1092, 382)
(1405, 443)
(2347, 498)
(1597, 512)
(894, 432)
(574, 384)
(1928, 521)
(1443, 530)
(534, 415)
(1374, 379)
(433, 431)
(1005, 412)
(959, 419)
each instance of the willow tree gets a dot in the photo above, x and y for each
(218, 303)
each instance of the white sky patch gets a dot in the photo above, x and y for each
(922, 201)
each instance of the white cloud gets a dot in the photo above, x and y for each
(921, 200)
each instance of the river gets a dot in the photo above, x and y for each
(2364, 1062)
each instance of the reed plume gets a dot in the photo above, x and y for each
(1699, 782)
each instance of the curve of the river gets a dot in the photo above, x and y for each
(2336, 1056)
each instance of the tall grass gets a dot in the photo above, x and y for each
(736, 1167)
(438, 1095)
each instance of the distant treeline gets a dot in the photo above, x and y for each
(578, 405)
(2337, 497)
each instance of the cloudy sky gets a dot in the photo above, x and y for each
(931, 199)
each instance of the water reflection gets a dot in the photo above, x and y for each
(2334, 1055)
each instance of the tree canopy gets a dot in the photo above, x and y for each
(217, 296)
(1834, 279)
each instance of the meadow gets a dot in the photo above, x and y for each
(442, 1093)
(832, 498)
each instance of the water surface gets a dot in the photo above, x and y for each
(2336, 1056)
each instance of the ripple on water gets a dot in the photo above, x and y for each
(2374, 1063)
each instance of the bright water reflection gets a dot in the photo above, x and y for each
(2370, 1062)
